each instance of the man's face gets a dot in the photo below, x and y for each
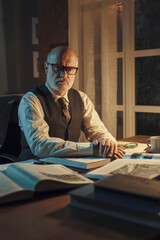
(60, 82)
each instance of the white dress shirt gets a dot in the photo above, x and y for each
(35, 128)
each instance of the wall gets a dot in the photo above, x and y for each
(16, 46)
(16, 42)
(53, 28)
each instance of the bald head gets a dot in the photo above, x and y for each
(59, 54)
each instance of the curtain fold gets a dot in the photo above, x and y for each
(93, 36)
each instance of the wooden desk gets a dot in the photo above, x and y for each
(138, 138)
(49, 217)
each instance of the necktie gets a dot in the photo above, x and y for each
(64, 108)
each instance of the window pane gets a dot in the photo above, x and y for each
(119, 124)
(147, 80)
(119, 27)
(147, 24)
(119, 81)
(148, 124)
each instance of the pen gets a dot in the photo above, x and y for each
(42, 163)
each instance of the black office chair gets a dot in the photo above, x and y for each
(10, 133)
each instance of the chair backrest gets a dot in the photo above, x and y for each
(12, 140)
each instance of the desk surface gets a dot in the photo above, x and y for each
(49, 217)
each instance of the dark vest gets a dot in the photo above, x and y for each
(58, 126)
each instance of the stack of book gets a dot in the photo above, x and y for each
(124, 197)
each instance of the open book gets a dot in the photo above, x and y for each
(20, 180)
(144, 168)
(85, 163)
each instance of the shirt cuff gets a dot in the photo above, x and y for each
(85, 149)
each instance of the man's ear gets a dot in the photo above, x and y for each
(46, 67)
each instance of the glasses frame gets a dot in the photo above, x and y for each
(63, 68)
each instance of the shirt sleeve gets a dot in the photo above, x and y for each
(92, 125)
(35, 128)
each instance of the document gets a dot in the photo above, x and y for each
(145, 168)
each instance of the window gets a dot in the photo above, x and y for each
(141, 70)
(147, 66)
(118, 44)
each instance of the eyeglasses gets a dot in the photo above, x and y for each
(59, 68)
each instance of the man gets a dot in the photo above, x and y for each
(51, 124)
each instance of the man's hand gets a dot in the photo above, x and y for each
(107, 148)
(104, 147)
(118, 154)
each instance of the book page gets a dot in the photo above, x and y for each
(148, 171)
(28, 175)
(3, 167)
(10, 191)
(7, 186)
(137, 167)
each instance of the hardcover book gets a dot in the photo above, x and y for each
(85, 164)
(123, 197)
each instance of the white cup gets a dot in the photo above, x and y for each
(154, 144)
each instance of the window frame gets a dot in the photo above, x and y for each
(130, 54)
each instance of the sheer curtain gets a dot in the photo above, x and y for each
(92, 35)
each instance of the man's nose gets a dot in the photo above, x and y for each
(63, 73)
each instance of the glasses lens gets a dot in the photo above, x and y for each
(60, 68)
(56, 68)
(71, 70)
